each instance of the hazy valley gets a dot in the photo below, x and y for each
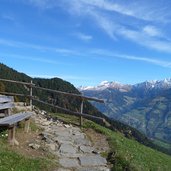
(145, 106)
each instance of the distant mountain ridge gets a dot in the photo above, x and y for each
(154, 84)
(145, 106)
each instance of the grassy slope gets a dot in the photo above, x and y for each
(14, 161)
(127, 153)
(133, 154)
(163, 144)
(10, 160)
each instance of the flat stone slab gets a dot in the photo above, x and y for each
(62, 132)
(62, 138)
(82, 141)
(86, 149)
(67, 148)
(64, 142)
(78, 135)
(69, 163)
(94, 160)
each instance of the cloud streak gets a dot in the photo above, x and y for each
(161, 63)
(87, 52)
(146, 34)
(149, 17)
(22, 45)
(36, 59)
(83, 36)
(138, 9)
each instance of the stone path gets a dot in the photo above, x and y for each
(74, 150)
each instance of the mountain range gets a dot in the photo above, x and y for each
(146, 106)
(153, 84)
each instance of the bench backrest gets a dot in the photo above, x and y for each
(6, 103)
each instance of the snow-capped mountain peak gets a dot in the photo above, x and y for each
(153, 84)
(105, 85)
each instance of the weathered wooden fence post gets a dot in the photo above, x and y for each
(31, 93)
(81, 118)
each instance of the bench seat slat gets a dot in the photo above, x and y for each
(13, 119)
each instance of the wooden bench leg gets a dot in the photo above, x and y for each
(11, 136)
(27, 125)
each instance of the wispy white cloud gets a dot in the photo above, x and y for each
(151, 31)
(154, 61)
(18, 44)
(149, 15)
(148, 36)
(106, 24)
(161, 44)
(145, 34)
(138, 9)
(83, 36)
(161, 63)
(36, 59)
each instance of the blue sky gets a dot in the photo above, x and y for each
(87, 41)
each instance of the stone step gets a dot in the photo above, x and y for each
(93, 160)
(69, 162)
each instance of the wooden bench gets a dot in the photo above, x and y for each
(11, 121)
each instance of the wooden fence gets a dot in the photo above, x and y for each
(31, 85)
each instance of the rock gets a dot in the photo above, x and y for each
(61, 139)
(52, 147)
(95, 152)
(46, 123)
(43, 112)
(34, 146)
(94, 160)
(67, 126)
(69, 163)
(86, 149)
(82, 141)
(67, 148)
(78, 135)
(63, 131)
(47, 137)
